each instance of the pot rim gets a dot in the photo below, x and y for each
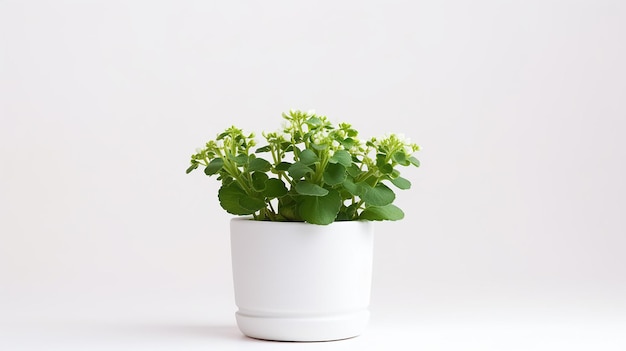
(299, 223)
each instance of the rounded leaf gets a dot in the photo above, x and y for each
(319, 146)
(308, 157)
(287, 208)
(382, 213)
(258, 180)
(401, 183)
(414, 161)
(342, 157)
(214, 166)
(320, 209)
(306, 188)
(335, 173)
(314, 122)
(348, 143)
(259, 164)
(251, 203)
(240, 159)
(274, 188)
(299, 170)
(283, 166)
(234, 200)
(359, 189)
(400, 157)
(386, 168)
(354, 170)
(380, 195)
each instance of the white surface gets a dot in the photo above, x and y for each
(559, 326)
(155, 336)
(515, 228)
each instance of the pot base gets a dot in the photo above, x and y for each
(304, 328)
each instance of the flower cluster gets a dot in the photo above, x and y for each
(318, 172)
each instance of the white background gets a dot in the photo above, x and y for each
(515, 235)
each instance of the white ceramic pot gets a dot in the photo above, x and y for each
(301, 282)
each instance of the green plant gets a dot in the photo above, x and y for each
(314, 172)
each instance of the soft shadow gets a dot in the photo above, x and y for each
(227, 332)
(194, 331)
(157, 330)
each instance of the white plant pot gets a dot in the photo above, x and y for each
(301, 282)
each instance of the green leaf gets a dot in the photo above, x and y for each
(400, 157)
(345, 194)
(351, 210)
(265, 148)
(283, 166)
(347, 143)
(319, 146)
(191, 168)
(382, 213)
(258, 180)
(226, 179)
(359, 189)
(381, 160)
(386, 168)
(308, 157)
(251, 203)
(401, 183)
(380, 195)
(354, 170)
(347, 213)
(314, 122)
(334, 174)
(214, 166)
(342, 216)
(259, 164)
(320, 209)
(371, 181)
(415, 162)
(287, 208)
(342, 157)
(306, 188)
(298, 170)
(350, 186)
(240, 159)
(274, 187)
(234, 200)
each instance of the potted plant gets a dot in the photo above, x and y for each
(302, 255)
